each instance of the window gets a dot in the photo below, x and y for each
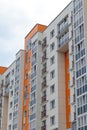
(52, 104)
(10, 116)
(25, 113)
(13, 72)
(26, 96)
(26, 75)
(52, 59)
(52, 120)
(26, 88)
(9, 127)
(11, 93)
(52, 46)
(11, 104)
(52, 33)
(52, 74)
(44, 123)
(28, 45)
(52, 89)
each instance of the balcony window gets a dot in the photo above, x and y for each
(64, 39)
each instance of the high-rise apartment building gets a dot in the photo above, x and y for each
(45, 88)
(11, 88)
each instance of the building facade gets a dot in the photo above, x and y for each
(45, 88)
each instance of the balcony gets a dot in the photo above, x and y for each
(34, 49)
(33, 102)
(43, 114)
(6, 91)
(73, 80)
(63, 41)
(44, 70)
(33, 116)
(43, 127)
(44, 99)
(44, 45)
(0, 104)
(74, 116)
(44, 58)
(2, 85)
(63, 29)
(74, 98)
(44, 84)
(34, 62)
(1, 94)
(33, 88)
(33, 75)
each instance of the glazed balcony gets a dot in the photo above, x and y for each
(62, 30)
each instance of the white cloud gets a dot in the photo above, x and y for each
(17, 17)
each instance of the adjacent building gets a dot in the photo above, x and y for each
(45, 88)
(11, 86)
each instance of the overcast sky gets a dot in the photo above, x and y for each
(17, 17)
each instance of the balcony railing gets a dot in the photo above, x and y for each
(44, 57)
(74, 116)
(34, 49)
(44, 70)
(33, 88)
(2, 85)
(44, 45)
(63, 29)
(74, 98)
(43, 98)
(32, 116)
(1, 94)
(43, 127)
(33, 102)
(43, 114)
(73, 80)
(44, 84)
(0, 104)
(33, 75)
(6, 91)
(34, 62)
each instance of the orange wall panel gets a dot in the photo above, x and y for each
(67, 78)
(2, 69)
